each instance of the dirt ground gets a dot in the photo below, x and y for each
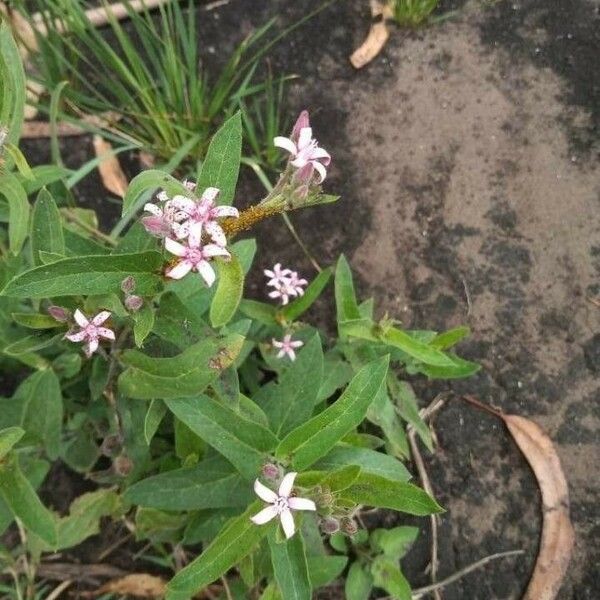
(466, 156)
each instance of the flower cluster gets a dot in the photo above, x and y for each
(191, 230)
(281, 504)
(286, 283)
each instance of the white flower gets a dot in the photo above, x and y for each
(287, 346)
(91, 331)
(304, 150)
(205, 212)
(281, 504)
(287, 283)
(277, 275)
(194, 256)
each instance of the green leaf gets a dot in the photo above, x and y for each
(18, 209)
(243, 442)
(387, 575)
(236, 540)
(345, 297)
(259, 311)
(143, 321)
(19, 161)
(359, 582)
(383, 414)
(31, 343)
(36, 321)
(370, 461)
(290, 568)
(88, 275)
(46, 228)
(142, 185)
(187, 374)
(291, 401)
(450, 338)
(25, 504)
(299, 306)
(230, 288)
(316, 437)
(394, 542)
(245, 250)
(322, 570)
(8, 438)
(12, 76)
(42, 411)
(212, 483)
(461, 368)
(156, 411)
(222, 163)
(374, 490)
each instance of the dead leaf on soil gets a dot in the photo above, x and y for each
(376, 38)
(138, 585)
(112, 175)
(558, 536)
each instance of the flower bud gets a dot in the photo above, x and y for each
(190, 185)
(348, 526)
(271, 471)
(58, 313)
(111, 445)
(134, 303)
(128, 284)
(330, 525)
(123, 465)
(324, 499)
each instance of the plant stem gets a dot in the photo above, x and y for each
(92, 230)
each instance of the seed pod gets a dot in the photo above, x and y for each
(128, 284)
(330, 525)
(134, 303)
(348, 526)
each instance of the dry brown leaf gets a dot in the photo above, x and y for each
(558, 536)
(112, 175)
(376, 38)
(139, 585)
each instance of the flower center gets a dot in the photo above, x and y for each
(281, 504)
(194, 255)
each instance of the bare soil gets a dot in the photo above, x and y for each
(466, 156)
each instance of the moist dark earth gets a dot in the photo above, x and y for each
(466, 158)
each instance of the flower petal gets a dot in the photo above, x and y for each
(183, 203)
(80, 319)
(264, 516)
(195, 235)
(296, 343)
(210, 194)
(322, 155)
(91, 347)
(301, 122)
(291, 354)
(76, 337)
(181, 269)
(226, 211)
(206, 271)
(107, 333)
(211, 250)
(287, 522)
(152, 208)
(101, 317)
(305, 137)
(301, 504)
(321, 170)
(287, 483)
(264, 493)
(285, 144)
(216, 233)
(175, 247)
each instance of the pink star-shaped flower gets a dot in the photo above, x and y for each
(162, 219)
(287, 346)
(305, 153)
(194, 256)
(205, 212)
(281, 504)
(286, 283)
(277, 275)
(91, 331)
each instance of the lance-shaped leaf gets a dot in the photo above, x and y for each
(46, 227)
(24, 504)
(222, 163)
(374, 490)
(235, 541)
(243, 442)
(18, 210)
(8, 438)
(290, 567)
(300, 305)
(230, 288)
(316, 437)
(211, 483)
(13, 84)
(186, 374)
(388, 576)
(88, 275)
(345, 297)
